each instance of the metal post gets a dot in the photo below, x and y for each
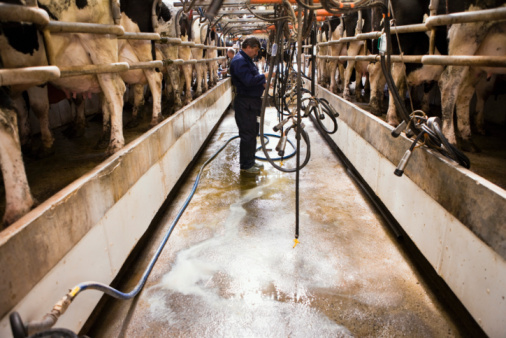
(299, 99)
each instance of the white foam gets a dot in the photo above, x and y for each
(268, 283)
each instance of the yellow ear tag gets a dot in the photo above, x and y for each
(296, 241)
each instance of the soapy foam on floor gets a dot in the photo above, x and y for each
(267, 283)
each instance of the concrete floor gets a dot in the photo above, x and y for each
(230, 269)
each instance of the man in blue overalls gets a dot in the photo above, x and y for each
(249, 84)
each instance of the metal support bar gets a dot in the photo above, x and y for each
(81, 27)
(459, 60)
(28, 75)
(94, 69)
(23, 14)
(146, 65)
(494, 14)
(140, 36)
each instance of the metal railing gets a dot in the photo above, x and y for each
(41, 74)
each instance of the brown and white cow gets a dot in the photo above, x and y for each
(457, 82)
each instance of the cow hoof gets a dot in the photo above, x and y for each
(45, 152)
(102, 143)
(73, 131)
(134, 123)
(469, 146)
(156, 120)
(113, 148)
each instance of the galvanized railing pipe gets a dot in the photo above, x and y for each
(28, 75)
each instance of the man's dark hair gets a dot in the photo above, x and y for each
(252, 42)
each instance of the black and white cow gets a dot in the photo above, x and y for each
(21, 45)
(368, 22)
(136, 17)
(79, 49)
(335, 67)
(457, 82)
(18, 197)
(171, 52)
(199, 34)
(211, 40)
(406, 12)
(185, 25)
(323, 36)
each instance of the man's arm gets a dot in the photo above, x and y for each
(244, 75)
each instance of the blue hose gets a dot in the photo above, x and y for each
(50, 319)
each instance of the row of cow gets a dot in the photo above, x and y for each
(22, 45)
(457, 83)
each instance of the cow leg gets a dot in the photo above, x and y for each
(39, 103)
(398, 70)
(347, 77)
(76, 129)
(205, 86)
(155, 84)
(449, 83)
(173, 72)
(464, 40)
(18, 198)
(19, 104)
(103, 50)
(465, 94)
(483, 90)
(367, 88)
(187, 78)
(377, 82)
(333, 82)
(104, 140)
(198, 71)
(138, 91)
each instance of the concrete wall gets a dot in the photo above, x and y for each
(456, 218)
(87, 230)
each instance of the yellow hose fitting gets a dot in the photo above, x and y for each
(296, 241)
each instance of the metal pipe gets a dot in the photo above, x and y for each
(28, 75)
(146, 65)
(465, 60)
(140, 36)
(94, 69)
(23, 14)
(443, 60)
(494, 14)
(81, 27)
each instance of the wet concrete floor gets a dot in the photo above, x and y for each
(230, 269)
